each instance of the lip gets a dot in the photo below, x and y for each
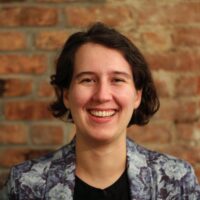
(101, 115)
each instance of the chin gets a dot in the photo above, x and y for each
(104, 137)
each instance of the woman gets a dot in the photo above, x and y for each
(103, 85)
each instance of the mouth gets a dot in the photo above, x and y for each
(102, 113)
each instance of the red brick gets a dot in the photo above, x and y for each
(17, 87)
(162, 88)
(47, 135)
(51, 40)
(3, 177)
(165, 83)
(184, 152)
(10, 157)
(13, 156)
(199, 105)
(157, 40)
(45, 89)
(187, 111)
(114, 16)
(175, 61)
(161, 133)
(27, 110)
(187, 132)
(186, 36)
(178, 110)
(12, 41)
(59, 1)
(13, 64)
(187, 85)
(168, 110)
(180, 12)
(11, 1)
(53, 1)
(197, 172)
(134, 37)
(13, 134)
(28, 16)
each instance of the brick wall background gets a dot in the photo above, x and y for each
(31, 35)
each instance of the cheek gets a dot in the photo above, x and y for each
(129, 99)
(78, 98)
(123, 99)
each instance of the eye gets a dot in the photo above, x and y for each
(118, 80)
(87, 80)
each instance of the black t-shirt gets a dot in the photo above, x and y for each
(117, 191)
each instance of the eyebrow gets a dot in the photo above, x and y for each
(113, 72)
(122, 73)
(84, 73)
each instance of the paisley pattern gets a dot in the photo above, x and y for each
(152, 176)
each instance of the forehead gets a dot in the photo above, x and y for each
(92, 56)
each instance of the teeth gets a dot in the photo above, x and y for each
(102, 113)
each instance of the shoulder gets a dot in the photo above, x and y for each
(29, 178)
(170, 175)
(41, 165)
(169, 165)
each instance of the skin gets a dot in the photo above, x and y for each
(101, 98)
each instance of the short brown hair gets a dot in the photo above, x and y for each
(101, 34)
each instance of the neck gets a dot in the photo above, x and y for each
(100, 165)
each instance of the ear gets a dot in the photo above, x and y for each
(66, 98)
(138, 98)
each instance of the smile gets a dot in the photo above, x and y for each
(102, 113)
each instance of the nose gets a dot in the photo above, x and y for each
(102, 92)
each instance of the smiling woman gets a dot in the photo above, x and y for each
(99, 112)
(103, 84)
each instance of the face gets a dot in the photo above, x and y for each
(102, 95)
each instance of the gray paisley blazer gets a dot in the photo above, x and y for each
(152, 176)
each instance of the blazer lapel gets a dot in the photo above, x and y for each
(139, 173)
(61, 175)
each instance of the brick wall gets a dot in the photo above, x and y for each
(31, 35)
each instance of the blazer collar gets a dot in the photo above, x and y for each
(61, 175)
(139, 172)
